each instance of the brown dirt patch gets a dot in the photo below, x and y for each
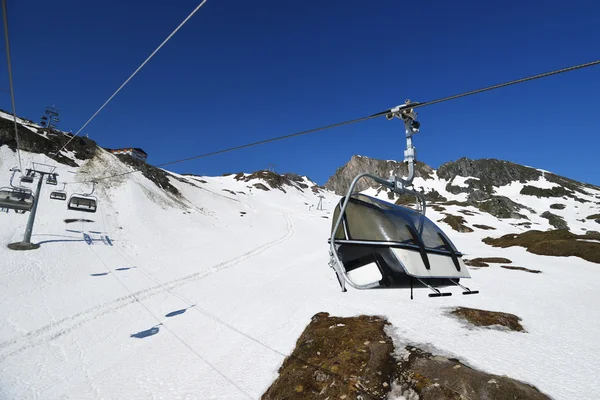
(337, 357)
(561, 243)
(533, 271)
(483, 261)
(485, 227)
(456, 222)
(437, 208)
(488, 318)
(425, 376)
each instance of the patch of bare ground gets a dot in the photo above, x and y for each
(337, 358)
(484, 227)
(533, 271)
(558, 243)
(456, 222)
(437, 208)
(484, 261)
(426, 376)
(352, 358)
(488, 318)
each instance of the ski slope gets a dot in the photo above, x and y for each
(203, 296)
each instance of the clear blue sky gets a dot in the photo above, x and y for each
(242, 71)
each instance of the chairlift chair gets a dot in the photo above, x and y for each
(29, 177)
(377, 244)
(16, 199)
(83, 202)
(51, 180)
(59, 194)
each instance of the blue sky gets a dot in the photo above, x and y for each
(243, 71)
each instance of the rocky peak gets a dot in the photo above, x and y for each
(340, 181)
(488, 171)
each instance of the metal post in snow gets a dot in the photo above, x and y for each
(26, 243)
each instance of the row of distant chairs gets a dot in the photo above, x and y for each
(21, 199)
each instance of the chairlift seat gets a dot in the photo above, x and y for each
(18, 200)
(58, 195)
(83, 203)
(51, 180)
(390, 246)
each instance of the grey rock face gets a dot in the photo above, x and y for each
(82, 147)
(341, 180)
(489, 171)
(502, 207)
(555, 220)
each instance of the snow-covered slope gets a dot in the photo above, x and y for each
(202, 295)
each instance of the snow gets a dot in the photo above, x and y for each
(197, 300)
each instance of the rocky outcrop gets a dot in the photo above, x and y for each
(502, 207)
(555, 220)
(488, 318)
(558, 243)
(274, 180)
(341, 180)
(337, 358)
(426, 376)
(156, 175)
(352, 358)
(490, 172)
(83, 148)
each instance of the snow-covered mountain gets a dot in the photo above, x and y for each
(210, 280)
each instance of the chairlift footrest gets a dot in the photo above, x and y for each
(471, 292)
(440, 294)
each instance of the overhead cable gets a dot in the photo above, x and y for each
(131, 76)
(365, 118)
(10, 79)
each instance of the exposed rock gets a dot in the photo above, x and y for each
(557, 206)
(337, 357)
(590, 232)
(426, 376)
(491, 172)
(557, 191)
(478, 195)
(261, 187)
(434, 196)
(502, 207)
(593, 216)
(555, 220)
(533, 271)
(274, 180)
(552, 243)
(485, 227)
(156, 175)
(83, 148)
(455, 203)
(456, 222)
(483, 261)
(340, 181)
(489, 318)
(351, 358)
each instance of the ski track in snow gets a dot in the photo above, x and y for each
(67, 325)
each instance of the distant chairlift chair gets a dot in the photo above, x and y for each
(29, 177)
(83, 202)
(376, 244)
(51, 180)
(59, 194)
